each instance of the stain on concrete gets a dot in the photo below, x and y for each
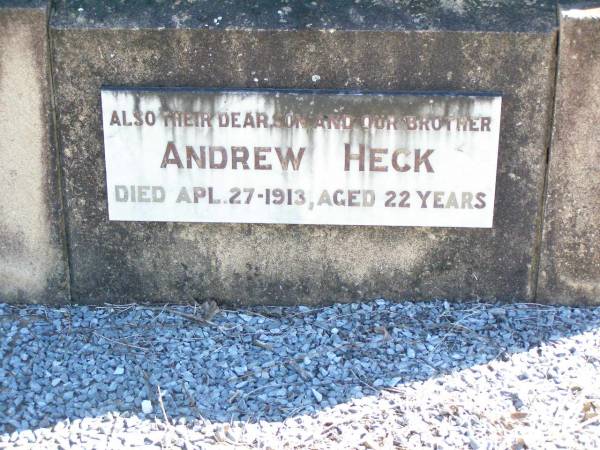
(118, 261)
(32, 256)
(365, 15)
(570, 259)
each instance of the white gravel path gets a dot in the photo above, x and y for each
(372, 375)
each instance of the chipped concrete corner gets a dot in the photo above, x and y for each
(570, 259)
(33, 267)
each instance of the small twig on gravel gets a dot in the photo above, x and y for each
(338, 316)
(149, 392)
(193, 404)
(428, 365)
(235, 395)
(293, 412)
(327, 429)
(306, 313)
(162, 406)
(364, 382)
(226, 330)
(200, 320)
(268, 312)
(247, 313)
(590, 421)
(394, 390)
(202, 314)
(117, 310)
(69, 320)
(322, 327)
(262, 344)
(456, 327)
(114, 341)
(108, 305)
(156, 317)
(536, 305)
(260, 388)
(303, 373)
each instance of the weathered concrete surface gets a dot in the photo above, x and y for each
(117, 261)
(33, 264)
(369, 15)
(570, 260)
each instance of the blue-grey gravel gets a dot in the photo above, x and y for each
(376, 374)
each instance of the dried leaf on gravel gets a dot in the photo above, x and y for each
(519, 444)
(589, 411)
(207, 310)
(384, 332)
(202, 314)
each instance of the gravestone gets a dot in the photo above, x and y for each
(33, 265)
(160, 253)
(570, 259)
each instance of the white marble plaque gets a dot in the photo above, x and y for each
(301, 157)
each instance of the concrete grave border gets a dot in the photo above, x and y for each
(534, 253)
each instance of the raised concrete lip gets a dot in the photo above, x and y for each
(233, 29)
(303, 91)
(507, 16)
(23, 4)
